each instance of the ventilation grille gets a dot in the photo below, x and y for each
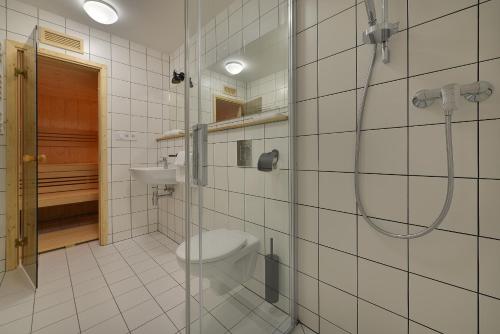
(61, 40)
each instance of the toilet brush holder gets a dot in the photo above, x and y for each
(272, 276)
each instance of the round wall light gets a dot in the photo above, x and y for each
(234, 67)
(100, 11)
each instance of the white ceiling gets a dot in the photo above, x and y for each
(157, 24)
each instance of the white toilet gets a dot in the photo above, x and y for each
(228, 257)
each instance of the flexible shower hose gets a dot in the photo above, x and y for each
(449, 153)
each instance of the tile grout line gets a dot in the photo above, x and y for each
(136, 274)
(357, 127)
(316, 94)
(408, 161)
(478, 217)
(72, 290)
(109, 288)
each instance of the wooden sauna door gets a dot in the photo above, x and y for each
(27, 81)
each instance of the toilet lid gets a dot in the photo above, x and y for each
(217, 244)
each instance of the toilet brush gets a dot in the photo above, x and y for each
(272, 276)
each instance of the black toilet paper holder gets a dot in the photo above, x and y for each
(268, 161)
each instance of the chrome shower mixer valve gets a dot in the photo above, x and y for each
(473, 92)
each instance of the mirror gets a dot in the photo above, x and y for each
(245, 71)
(226, 109)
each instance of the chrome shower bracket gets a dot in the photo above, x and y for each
(380, 33)
(474, 92)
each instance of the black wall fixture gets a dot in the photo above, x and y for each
(177, 78)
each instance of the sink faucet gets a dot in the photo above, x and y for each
(164, 160)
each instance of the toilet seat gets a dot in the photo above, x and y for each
(217, 245)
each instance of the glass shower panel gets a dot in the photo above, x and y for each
(242, 262)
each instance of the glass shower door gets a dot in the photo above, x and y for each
(27, 80)
(240, 216)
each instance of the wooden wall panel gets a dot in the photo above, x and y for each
(67, 112)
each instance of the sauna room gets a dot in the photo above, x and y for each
(68, 179)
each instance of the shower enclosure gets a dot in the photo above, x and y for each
(238, 57)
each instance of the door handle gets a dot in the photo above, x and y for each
(29, 158)
(200, 149)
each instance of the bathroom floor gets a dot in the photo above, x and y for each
(134, 286)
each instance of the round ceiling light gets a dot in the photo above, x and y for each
(100, 11)
(234, 67)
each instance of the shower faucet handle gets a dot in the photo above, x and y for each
(473, 92)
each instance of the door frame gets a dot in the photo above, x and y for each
(12, 150)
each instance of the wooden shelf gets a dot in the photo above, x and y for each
(236, 124)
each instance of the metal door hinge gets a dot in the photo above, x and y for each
(18, 72)
(21, 242)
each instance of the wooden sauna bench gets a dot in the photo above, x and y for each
(67, 202)
(61, 184)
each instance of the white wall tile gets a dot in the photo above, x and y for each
(443, 307)
(330, 42)
(427, 196)
(458, 251)
(338, 230)
(269, 21)
(489, 211)
(337, 307)
(51, 17)
(307, 259)
(383, 286)
(342, 65)
(338, 269)
(419, 9)
(432, 49)
(22, 7)
(307, 82)
(489, 267)
(100, 48)
(375, 320)
(489, 160)
(490, 71)
(336, 191)
(307, 223)
(20, 23)
(120, 54)
(307, 13)
(488, 25)
(337, 112)
(250, 12)
(378, 247)
(428, 150)
(489, 321)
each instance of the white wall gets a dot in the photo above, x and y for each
(139, 102)
(352, 279)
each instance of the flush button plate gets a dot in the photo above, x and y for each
(244, 154)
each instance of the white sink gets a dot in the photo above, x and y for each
(154, 175)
